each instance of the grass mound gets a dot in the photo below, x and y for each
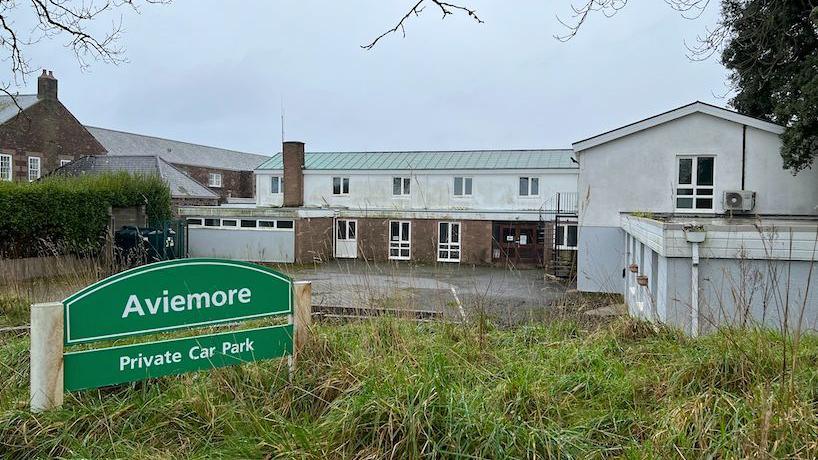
(394, 389)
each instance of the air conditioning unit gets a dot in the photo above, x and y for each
(739, 200)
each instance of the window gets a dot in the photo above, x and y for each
(212, 222)
(194, 221)
(401, 186)
(340, 185)
(277, 185)
(214, 180)
(267, 224)
(566, 236)
(346, 230)
(5, 167)
(400, 240)
(529, 186)
(284, 224)
(229, 222)
(246, 223)
(448, 242)
(695, 183)
(33, 168)
(462, 186)
(64, 162)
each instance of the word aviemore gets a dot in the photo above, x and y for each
(178, 303)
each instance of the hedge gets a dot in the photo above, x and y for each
(70, 214)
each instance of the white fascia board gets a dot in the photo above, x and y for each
(697, 107)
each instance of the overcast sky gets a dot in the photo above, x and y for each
(214, 72)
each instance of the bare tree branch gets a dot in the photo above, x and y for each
(71, 19)
(445, 8)
(689, 9)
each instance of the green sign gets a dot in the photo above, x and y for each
(175, 294)
(172, 295)
(129, 363)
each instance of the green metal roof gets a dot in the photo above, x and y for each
(473, 159)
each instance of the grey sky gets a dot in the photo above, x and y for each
(213, 72)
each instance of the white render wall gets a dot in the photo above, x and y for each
(638, 172)
(430, 190)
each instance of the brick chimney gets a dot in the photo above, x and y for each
(47, 86)
(293, 157)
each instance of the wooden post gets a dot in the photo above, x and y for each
(46, 356)
(302, 314)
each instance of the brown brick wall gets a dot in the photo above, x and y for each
(313, 240)
(476, 240)
(316, 237)
(293, 159)
(239, 184)
(47, 130)
(373, 239)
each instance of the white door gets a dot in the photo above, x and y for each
(448, 242)
(346, 239)
(400, 240)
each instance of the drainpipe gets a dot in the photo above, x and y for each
(694, 294)
(694, 234)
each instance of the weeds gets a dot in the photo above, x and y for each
(387, 388)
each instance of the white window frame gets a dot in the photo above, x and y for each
(695, 187)
(530, 180)
(563, 228)
(279, 182)
(349, 228)
(214, 180)
(404, 185)
(343, 185)
(9, 174)
(38, 170)
(449, 247)
(466, 187)
(400, 244)
(65, 162)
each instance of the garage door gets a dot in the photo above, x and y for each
(253, 240)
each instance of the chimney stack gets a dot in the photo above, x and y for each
(47, 86)
(293, 156)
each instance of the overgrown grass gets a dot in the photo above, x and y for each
(394, 389)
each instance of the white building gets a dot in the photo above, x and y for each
(476, 207)
(646, 189)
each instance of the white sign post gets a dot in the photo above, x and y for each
(46, 356)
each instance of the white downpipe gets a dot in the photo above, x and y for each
(694, 294)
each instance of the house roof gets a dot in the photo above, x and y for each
(695, 107)
(119, 143)
(181, 185)
(8, 109)
(432, 160)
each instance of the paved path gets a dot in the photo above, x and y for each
(502, 293)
